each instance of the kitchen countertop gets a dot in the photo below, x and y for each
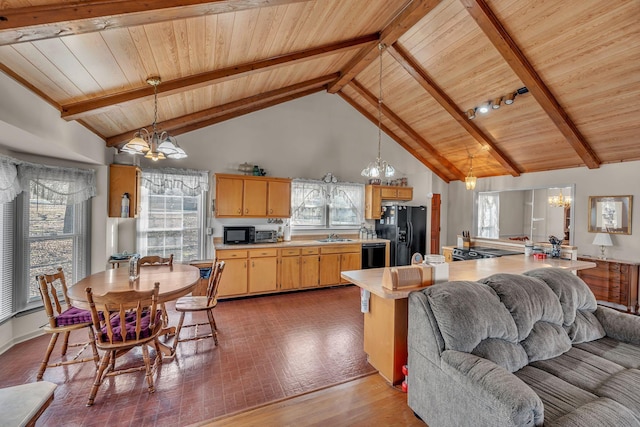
(296, 243)
(371, 280)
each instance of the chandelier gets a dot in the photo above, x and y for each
(559, 201)
(470, 180)
(154, 145)
(379, 168)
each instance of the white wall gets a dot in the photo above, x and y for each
(610, 179)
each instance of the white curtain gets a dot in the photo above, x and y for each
(62, 185)
(190, 182)
(9, 183)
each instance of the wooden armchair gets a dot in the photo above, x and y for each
(63, 318)
(133, 321)
(195, 304)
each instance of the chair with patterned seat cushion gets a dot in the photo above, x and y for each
(63, 318)
(206, 303)
(133, 321)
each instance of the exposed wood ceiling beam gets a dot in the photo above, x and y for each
(407, 18)
(386, 111)
(66, 18)
(233, 109)
(395, 137)
(417, 72)
(500, 38)
(95, 105)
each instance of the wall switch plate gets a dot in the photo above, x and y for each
(209, 231)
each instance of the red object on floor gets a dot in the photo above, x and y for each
(405, 386)
(405, 383)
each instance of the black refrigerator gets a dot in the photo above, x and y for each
(406, 228)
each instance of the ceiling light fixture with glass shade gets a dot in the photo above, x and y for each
(379, 168)
(470, 180)
(154, 145)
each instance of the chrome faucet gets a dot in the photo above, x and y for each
(333, 236)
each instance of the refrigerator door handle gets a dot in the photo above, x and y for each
(410, 232)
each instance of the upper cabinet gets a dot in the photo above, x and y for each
(375, 194)
(252, 196)
(124, 179)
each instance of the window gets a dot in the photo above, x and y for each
(488, 216)
(6, 259)
(320, 205)
(52, 227)
(172, 215)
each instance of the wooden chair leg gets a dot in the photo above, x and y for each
(65, 343)
(99, 376)
(176, 338)
(147, 365)
(94, 349)
(47, 355)
(212, 322)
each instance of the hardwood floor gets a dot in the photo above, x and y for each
(367, 401)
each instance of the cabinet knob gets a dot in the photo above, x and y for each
(270, 211)
(253, 264)
(246, 211)
(239, 211)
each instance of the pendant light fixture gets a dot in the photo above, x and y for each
(379, 168)
(154, 145)
(470, 180)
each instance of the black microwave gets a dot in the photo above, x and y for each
(239, 235)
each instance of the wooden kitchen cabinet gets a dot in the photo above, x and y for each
(374, 195)
(613, 281)
(234, 277)
(334, 259)
(448, 254)
(252, 196)
(124, 179)
(310, 268)
(263, 270)
(289, 269)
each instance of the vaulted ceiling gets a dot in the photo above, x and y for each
(579, 60)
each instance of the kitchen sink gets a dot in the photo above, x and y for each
(330, 240)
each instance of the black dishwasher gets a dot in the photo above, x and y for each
(373, 255)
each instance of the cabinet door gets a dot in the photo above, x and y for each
(329, 269)
(263, 274)
(350, 261)
(373, 202)
(279, 199)
(309, 271)
(404, 193)
(289, 272)
(124, 179)
(255, 198)
(388, 193)
(234, 278)
(229, 196)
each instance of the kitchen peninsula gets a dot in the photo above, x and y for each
(385, 324)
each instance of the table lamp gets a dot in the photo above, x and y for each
(602, 239)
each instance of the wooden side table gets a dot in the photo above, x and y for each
(613, 281)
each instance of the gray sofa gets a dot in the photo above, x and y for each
(522, 350)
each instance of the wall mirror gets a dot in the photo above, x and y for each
(533, 214)
(610, 214)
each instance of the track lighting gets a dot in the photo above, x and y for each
(495, 103)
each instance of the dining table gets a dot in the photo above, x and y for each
(175, 281)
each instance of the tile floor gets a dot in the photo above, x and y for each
(270, 348)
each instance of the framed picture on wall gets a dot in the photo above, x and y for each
(610, 214)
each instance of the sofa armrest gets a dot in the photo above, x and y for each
(508, 397)
(624, 327)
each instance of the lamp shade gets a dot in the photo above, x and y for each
(602, 239)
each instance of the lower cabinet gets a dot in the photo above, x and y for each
(256, 271)
(334, 259)
(613, 281)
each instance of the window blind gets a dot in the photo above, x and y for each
(6, 260)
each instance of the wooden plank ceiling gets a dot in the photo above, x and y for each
(579, 60)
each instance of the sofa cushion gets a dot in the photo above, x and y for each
(546, 341)
(479, 316)
(528, 299)
(619, 388)
(599, 413)
(623, 354)
(575, 296)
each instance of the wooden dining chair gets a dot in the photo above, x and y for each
(150, 260)
(156, 260)
(63, 318)
(194, 304)
(133, 320)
